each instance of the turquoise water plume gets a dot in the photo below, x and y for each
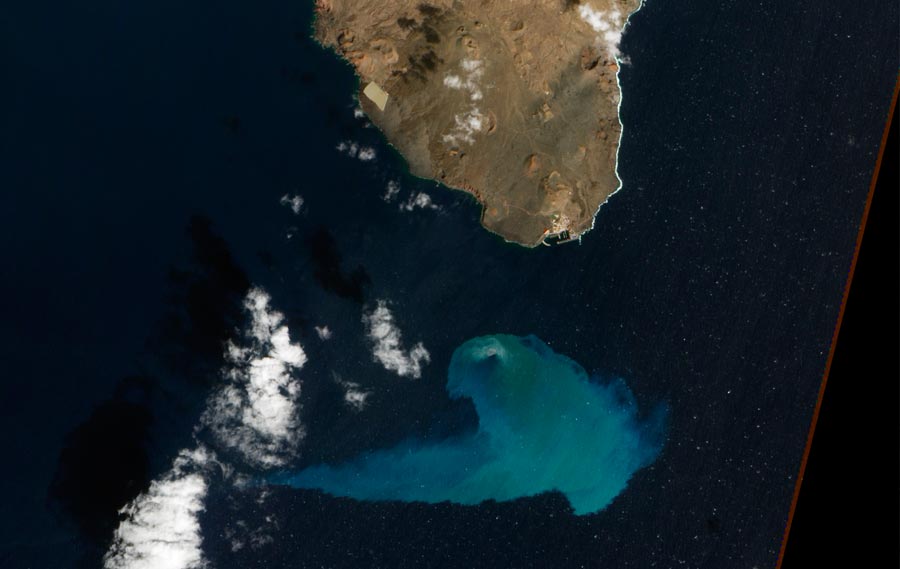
(543, 425)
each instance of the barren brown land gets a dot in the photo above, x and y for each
(513, 101)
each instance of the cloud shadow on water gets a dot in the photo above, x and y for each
(327, 263)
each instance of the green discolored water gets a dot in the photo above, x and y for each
(543, 425)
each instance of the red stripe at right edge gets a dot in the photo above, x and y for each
(837, 328)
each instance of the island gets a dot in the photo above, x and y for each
(515, 102)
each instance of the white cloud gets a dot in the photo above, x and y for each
(354, 150)
(324, 332)
(387, 344)
(470, 65)
(354, 395)
(469, 122)
(255, 412)
(608, 26)
(241, 535)
(420, 200)
(453, 81)
(366, 154)
(467, 125)
(594, 18)
(391, 191)
(612, 39)
(295, 202)
(161, 529)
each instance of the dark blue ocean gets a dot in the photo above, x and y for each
(144, 151)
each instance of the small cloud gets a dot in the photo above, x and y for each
(360, 115)
(324, 332)
(259, 539)
(240, 535)
(453, 81)
(387, 344)
(348, 148)
(295, 202)
(354, 395)
(354, 150)
(355, 398)
(391, 191)
(420, 200)
(366, 154)
(467, 125)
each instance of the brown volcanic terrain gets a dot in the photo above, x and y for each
(514, 101)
